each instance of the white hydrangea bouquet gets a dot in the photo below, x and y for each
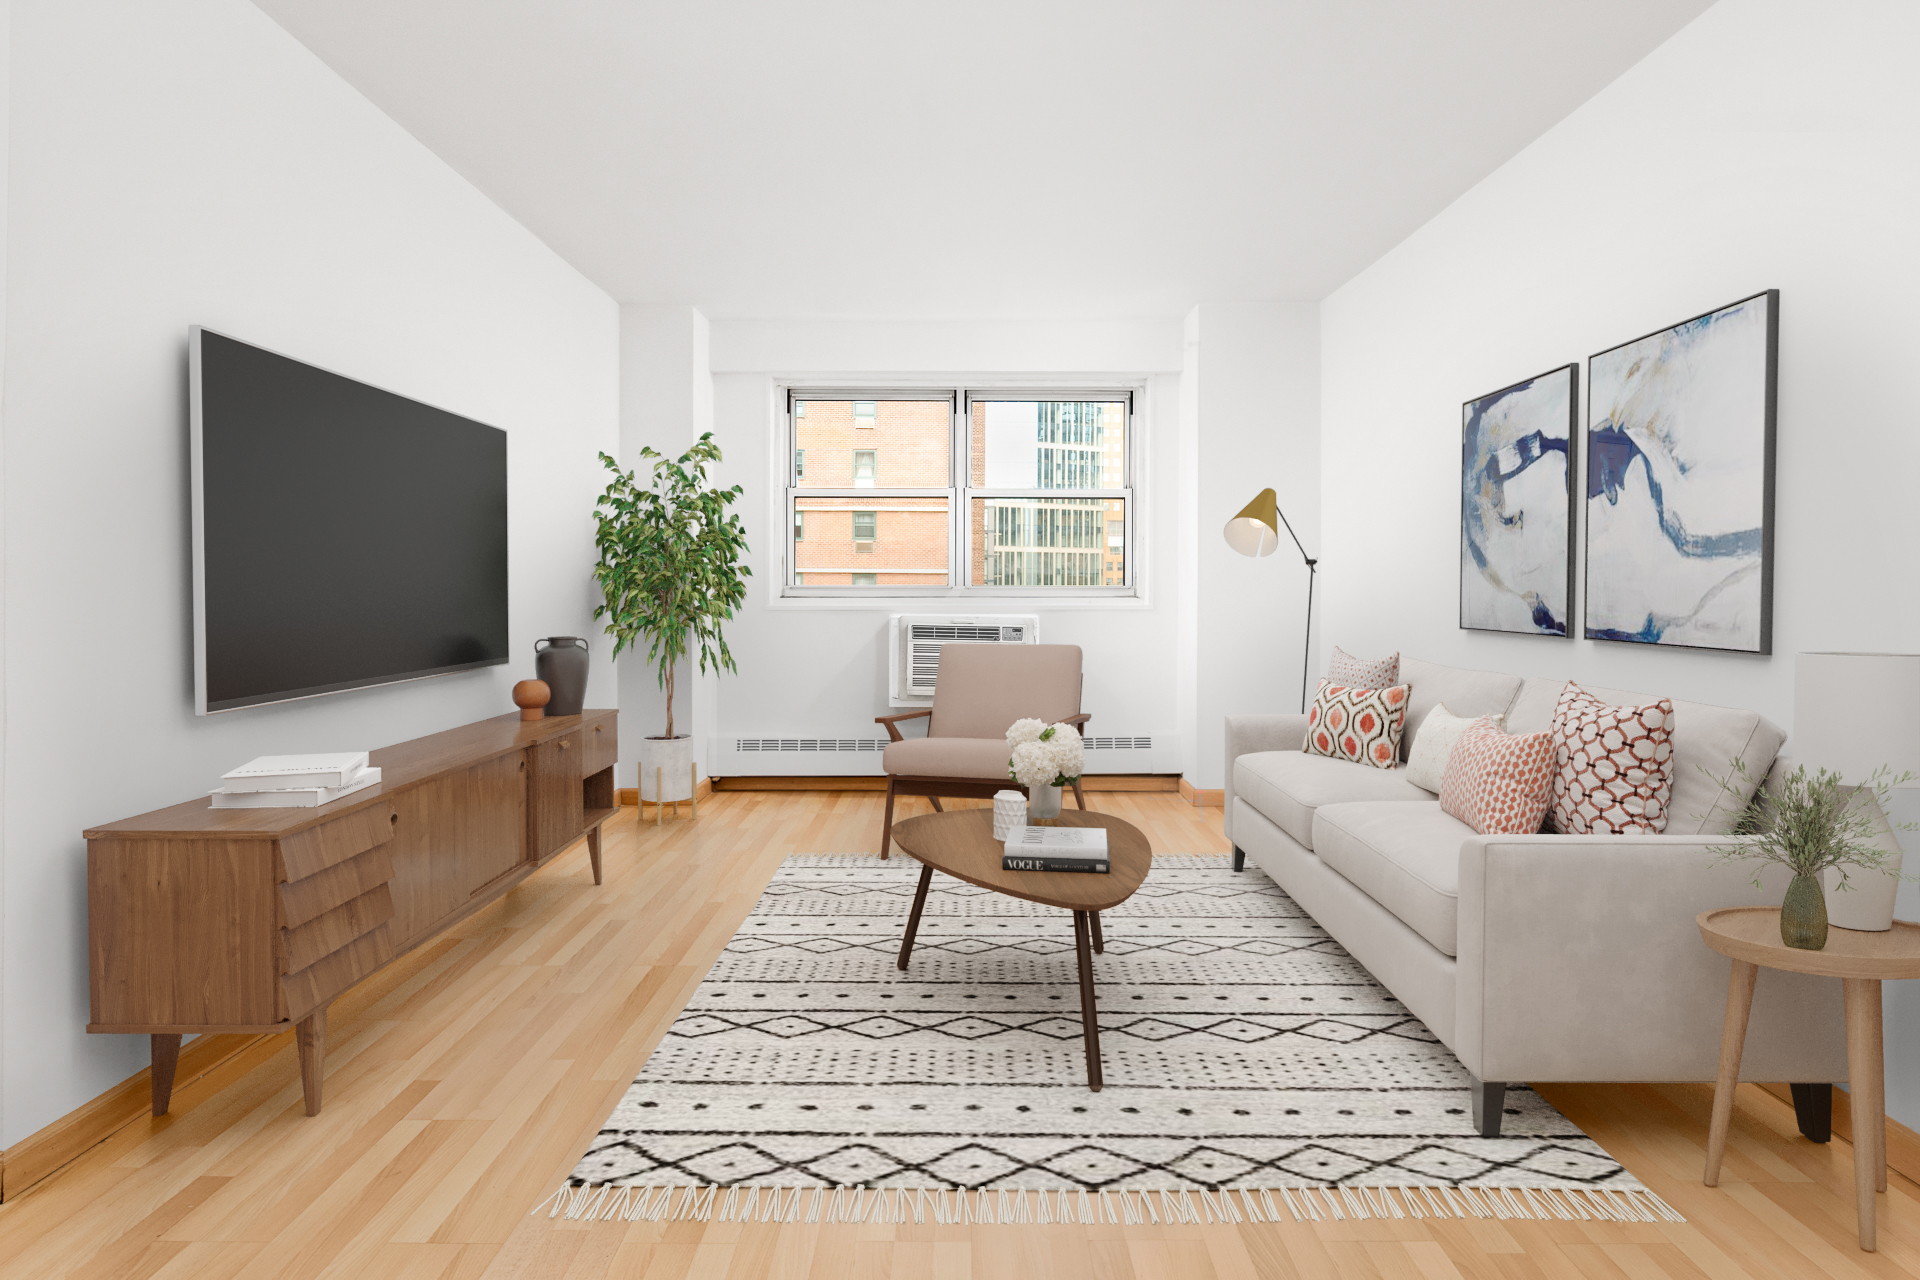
(1044, 755)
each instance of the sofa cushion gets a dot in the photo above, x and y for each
(1466, 693)
(1287, 786)
(949, 758)
(1704, 737)
(1361, 725)
(1406, 857)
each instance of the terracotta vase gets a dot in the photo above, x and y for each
(563, 665)
(1803, 915)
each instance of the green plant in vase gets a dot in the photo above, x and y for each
(672, 570)
(1808, 823)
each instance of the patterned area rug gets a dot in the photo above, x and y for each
(1245, 1052)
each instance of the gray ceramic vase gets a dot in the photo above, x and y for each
(563, 665)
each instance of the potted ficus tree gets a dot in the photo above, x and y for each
(672, 571)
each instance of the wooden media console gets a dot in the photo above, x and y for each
(252, 920)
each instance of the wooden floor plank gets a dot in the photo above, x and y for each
(464, 1080)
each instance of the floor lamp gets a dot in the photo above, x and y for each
(1256, 532)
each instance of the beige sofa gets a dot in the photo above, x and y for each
(1544, 957)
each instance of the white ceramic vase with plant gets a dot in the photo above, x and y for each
(1818, 828)
(1043, 758)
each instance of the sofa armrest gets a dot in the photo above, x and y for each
(1579, 959)
(1248, 734)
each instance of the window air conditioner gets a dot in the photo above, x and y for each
(914, 641)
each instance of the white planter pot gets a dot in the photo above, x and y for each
(666, 769)
(1868, 905)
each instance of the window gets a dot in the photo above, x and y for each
(843, 493)
(1000, 493)
(1021, 453)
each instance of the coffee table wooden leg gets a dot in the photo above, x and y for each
(1733, 1039)
(1099, 939)
(913, 921)
(1089, 1018)
(1863, 1076)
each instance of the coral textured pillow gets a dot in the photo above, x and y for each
(1358, 673)
(1612, 766)
(1433, 743)
(1361, 725)
(1498, 783)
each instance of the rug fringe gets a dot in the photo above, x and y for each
(1108, 1206)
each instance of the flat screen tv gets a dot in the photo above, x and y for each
(343, 536)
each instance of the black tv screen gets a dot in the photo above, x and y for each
(344, 536)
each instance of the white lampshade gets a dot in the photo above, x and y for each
(1854, 712)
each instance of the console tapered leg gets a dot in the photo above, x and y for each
(166, 1060)
(593, 850)
(310, 1033)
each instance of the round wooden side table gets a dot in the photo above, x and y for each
(1750, 937)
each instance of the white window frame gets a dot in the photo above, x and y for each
(787, 392)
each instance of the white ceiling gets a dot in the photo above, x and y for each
(912, 159)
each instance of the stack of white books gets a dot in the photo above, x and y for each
(295, 782)
(1056, 849)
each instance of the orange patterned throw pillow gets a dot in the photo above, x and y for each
(1498, 783)
(1612, 766)
(1361, 725)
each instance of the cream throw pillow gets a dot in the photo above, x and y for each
(1427, 762)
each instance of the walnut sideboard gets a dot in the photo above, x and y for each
(252, 920)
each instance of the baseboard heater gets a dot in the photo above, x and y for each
(861, 756)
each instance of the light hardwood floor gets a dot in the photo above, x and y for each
(464, 1081)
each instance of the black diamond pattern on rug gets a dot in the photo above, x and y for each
(1243, 1048)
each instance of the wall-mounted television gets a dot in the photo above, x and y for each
(343, 536)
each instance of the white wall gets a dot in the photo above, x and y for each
(1771, 144)
(816, 668)
(1768, 145)
(1257, 400)
(191, 163)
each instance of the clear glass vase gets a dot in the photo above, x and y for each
(1043, 806)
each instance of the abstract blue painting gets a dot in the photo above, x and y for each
(1680, 428)
(1516, 506)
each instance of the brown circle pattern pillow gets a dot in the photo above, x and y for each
(1612, 766)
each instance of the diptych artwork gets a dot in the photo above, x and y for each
(1680, 483)
(1516, 506)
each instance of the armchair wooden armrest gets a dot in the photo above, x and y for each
(892, 722)
(1079, 722)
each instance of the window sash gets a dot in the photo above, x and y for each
(960, 493)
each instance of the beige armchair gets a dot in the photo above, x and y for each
(981, 691)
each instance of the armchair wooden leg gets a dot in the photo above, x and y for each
(935, 802)
(165, 1050)
(886, 823)
(1078, 794)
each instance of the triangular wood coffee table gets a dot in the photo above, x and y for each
(960, 843)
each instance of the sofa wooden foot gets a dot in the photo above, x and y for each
(1813, 1109)
(1489, 1104)
(1239, 858)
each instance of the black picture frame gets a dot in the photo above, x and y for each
(1479, 469)
(1609, 461)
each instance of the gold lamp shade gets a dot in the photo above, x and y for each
(1256, 530)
